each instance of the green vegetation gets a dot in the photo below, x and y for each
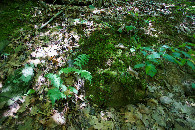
(17, 84)
(60, 90)
(140, 50)
(119, 58)
(177, 56)
(14, 16)
(16, 20)
(108, 62)
(113, 83)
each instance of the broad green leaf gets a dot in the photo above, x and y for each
(148, 62)
(147, 21)
(169, 58)
(193, 85)
(176, 49)
(161, 53)
(144, 53)
(165, 46)
(183, 45)
(178, 62)
(26, 79)
(190, 64)
(183, 61)
(153, 56)
(139, 65)
(154, 60)
(129, 28)
(186, 54)
(188, 47)
(134, 40)
(16, 81)
(4, 54)
(151, 70)
(138, 46)
(91, 7)
(162, 49)
(176, 54)
(120, 30)
(54, 94)
(147, 48)
(172, 59)
(31, 91)
(191, 44)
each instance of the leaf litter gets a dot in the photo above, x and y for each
(163, 110)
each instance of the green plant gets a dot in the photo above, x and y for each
(149, 68)
(176, 57)
(14, 16)
(81, 60)
(17, 83)
(131, 27)
(60, 91)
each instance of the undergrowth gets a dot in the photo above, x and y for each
(172, 54)
(59, 90)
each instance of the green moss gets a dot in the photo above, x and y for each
(14, 15)
(112, 85)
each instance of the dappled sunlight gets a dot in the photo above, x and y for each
(110, 65)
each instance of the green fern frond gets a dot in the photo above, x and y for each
(84, 74)
(55, 80)
(55, 94)
(81, 60)
(67, 70)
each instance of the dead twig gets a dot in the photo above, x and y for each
(51, 19)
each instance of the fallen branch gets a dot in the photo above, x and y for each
(51, 19)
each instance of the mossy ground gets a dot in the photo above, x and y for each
(112, 86)
(14, 15)
(111, 82)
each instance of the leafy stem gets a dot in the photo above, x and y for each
(60, 91)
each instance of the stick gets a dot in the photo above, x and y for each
(51, 19)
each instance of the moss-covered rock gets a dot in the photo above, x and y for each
(112, 85)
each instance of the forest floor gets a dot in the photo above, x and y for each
(139, 74)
